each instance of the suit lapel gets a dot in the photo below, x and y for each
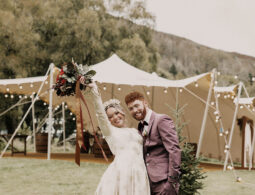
(151, 122)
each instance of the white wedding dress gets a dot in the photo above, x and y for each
(127, 174)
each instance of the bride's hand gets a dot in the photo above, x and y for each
(90, 85)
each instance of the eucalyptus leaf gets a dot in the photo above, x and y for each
(91, 72)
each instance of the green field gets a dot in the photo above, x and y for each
(32, 176)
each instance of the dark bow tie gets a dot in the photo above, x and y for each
(141, 125)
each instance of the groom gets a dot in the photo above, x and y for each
(162, 154)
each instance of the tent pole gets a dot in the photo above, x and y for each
(64, 127)
(233, 126)
(16, 130)
(252, 148)
(205, 114)
(50, 111)
(33, 118)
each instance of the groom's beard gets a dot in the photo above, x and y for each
(143, 114)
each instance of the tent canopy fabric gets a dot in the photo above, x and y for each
(116, 71)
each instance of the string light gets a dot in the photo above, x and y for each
(46, 82)
(236, 77)
(25, 97)
(218, 95)
(241, 106)
(228, 95)
(217, 117)
(216, 112)
(212, 103)
(20, 87)
(71, 114)
(232, 97)
(31, 85)
(221, 134)
(20, 96)
(225, 96)
(44, 104)
(73, 118)
(12, 96)
(181, 90)
(65, 106)
(119, 89)
(226, 132)
(165, 90)
(249, 106)
(148, 93)
(196, 84)
(216, 82)
(7, 89)
(218, 73)
(104, 88)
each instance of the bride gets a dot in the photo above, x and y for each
(127, 174)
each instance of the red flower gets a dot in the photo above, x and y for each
(61, 73)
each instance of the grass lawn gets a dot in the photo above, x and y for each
(32, 176)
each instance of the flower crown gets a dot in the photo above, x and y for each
(111, 103)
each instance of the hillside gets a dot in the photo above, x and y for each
(191, 58)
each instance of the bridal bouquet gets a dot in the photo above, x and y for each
(70, 73)
(68, 83)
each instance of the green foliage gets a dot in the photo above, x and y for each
(34, 34)
(191, 175)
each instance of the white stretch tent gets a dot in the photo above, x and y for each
(116, 78)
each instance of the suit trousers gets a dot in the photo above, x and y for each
(163, 187)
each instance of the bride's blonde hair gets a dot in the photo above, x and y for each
(113, 103)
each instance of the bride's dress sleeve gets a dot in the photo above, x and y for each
(102, 118)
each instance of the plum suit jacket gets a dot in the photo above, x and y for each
(161, 149)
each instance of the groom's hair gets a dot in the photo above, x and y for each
(131, 97)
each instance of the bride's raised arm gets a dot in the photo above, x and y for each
(103, 121)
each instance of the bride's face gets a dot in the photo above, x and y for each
(116, 118)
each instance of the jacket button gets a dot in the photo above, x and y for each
(148, 154)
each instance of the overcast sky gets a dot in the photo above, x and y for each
(222, 24)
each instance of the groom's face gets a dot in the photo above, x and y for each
(137, 109)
